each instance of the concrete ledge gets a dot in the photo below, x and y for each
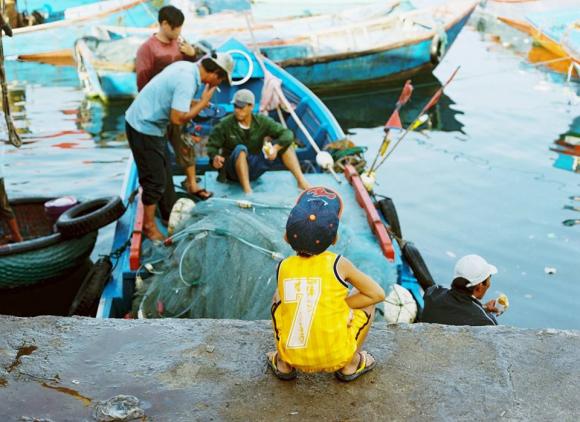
(185, 370)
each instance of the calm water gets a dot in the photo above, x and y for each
(480, 179)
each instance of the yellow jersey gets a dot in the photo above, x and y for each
(310, 321)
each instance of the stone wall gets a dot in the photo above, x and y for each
(58, 369)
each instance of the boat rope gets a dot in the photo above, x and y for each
(244, 203)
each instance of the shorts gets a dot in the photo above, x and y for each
(6, 212)
(358, 329)
(184, 151)
(257, 163)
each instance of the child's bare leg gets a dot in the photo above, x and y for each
(351, 367)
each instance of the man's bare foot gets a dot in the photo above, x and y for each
(304, 185)
(152, 233)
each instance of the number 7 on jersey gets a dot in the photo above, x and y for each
(305, 292)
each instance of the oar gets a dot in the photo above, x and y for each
(421, 117)
(13, 137)
(323, 158)
(394, 122)
(571, 222)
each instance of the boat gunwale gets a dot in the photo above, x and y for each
(77, 20)
(375, 50)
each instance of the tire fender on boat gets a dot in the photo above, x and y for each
(417, 264)
(389, 212)
(87, 299)
(89, 216)
(438, 46)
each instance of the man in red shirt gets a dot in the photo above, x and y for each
(158, 52)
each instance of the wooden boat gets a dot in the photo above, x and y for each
(56, 38)
(374, 232)
(45, 252)
(552, 25)
(357, 48)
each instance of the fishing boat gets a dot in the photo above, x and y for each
(554, 26)
(356, 48)
(559, 32)
(55, 39)
(220, 260)
(106, 59)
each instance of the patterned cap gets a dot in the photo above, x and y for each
(313, 222)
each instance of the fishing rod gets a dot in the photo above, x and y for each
(394, 122)
(421, 117)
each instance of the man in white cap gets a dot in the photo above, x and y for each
(461, 305)
(236, 144)
(169, 97)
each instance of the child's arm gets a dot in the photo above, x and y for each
(369, 291)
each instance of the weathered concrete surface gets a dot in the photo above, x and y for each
(185, 370)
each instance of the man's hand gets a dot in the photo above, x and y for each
(207, 94)
(490, 307)
(218, 162)
(274, 154)
(196, 139)
(186, 49)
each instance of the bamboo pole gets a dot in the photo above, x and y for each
(13, 137)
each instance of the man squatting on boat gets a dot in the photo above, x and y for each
(236, 145)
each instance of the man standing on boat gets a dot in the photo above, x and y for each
(159, 51)
(169, 97)
(461, 304)
(239, 144)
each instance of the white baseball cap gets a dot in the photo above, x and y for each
(224, 61)
(474, 269)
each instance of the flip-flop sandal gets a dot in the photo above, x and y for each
(273, 365)
(202, 194)
(360, 371)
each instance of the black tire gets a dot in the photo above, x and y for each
(417, 264)
(87, 299)
(389, 212)
(89, 216)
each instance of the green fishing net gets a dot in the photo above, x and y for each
(223, 261)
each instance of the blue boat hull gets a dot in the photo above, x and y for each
(61, 35)
(372, 67)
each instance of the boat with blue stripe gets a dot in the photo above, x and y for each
(367, 237)
(357, 48)
(57, 35)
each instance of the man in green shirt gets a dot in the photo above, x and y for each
(239, 144)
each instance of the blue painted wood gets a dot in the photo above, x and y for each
(314, 114)
(62, 34)
(374, 66)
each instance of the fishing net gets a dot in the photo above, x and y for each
(223, 261)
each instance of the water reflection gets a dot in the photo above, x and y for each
(372, 108)
(104, 122)
(568, 148)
